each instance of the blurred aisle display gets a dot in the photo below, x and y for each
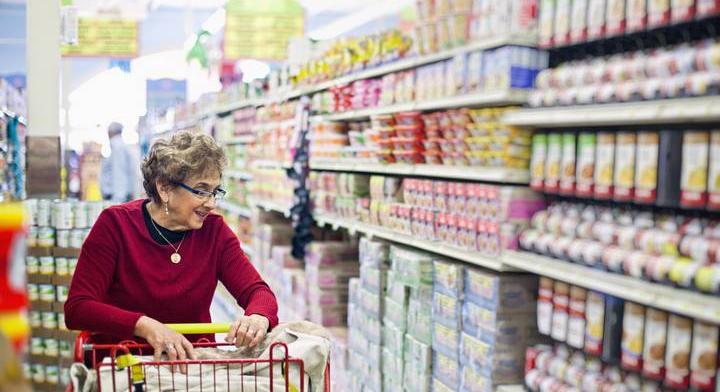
(466, 195)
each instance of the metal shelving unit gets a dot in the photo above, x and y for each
(675, 300)
(481, 99)
(470, 173)
(666, 111)
(470, 257)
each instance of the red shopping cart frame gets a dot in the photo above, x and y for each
(84, 348)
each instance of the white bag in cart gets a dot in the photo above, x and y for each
(312, 348)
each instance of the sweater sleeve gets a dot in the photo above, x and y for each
(85, 308)
(243, 281)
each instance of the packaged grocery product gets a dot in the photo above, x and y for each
(616, 17)
(576, 321)
(646, 170)
(545, 306)
(613, 329)
(694, 179)
(547, 22)
(585, 183)
(553, 163)
(658, 13)
(567, 171)
(707, 8)
(682, 10)
(597, 12)
(703, 360)
(636, 15)
(446, 369)
(447, 310)
(561, 302)
(677, 355)
(502, 292)
(595, 323)
(561, 33)
(714, 172)
(604, 165)
(624, 172)
(633, 337)
(578, 22)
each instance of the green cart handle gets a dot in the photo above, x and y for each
(200, 328)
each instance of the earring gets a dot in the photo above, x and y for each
(167, 212)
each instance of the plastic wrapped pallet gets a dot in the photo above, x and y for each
(414, 268)
(419, 315)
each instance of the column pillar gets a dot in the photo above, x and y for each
(43, 98)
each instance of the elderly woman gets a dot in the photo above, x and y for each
(155, 261)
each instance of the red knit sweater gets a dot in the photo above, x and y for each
(123, 274)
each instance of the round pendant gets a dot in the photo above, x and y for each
(175, 258)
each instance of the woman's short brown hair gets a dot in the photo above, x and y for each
(184, 155)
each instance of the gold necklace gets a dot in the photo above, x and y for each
(175, 258)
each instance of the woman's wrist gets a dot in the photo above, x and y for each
(141, 326)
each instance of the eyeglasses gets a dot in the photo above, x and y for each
(203, 195)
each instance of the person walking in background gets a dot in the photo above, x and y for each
(119, 170)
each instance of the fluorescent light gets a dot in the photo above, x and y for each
(350, 22)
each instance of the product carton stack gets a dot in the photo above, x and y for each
(328, 269)
(365, 316)
(414, 271)
(498, 321)
(448, 293)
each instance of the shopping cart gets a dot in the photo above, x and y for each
(130, 373)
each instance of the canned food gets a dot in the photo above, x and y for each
(49, 320)
(61, 266)
(77, 236)
(46, 292)
(43, 212)
(34, 317)
(46, 237)
(32, 236)
(61, 322)
(51, 348)
(62, 215)
(38, 373)
(80, 214)
(94, 209)
(47, 265)
(62, 293)
(36, 346)
(32, 264)
(65, 376)
(52, 374)
(31, 206)
(33, 292)
(66, 349)
(63, 238)
(72, 263)
(27, 371)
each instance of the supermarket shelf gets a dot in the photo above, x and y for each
(475, 258)
(238, 175)
(395, 66)
(274, 124)
(413, 62)
(490, 98)
(270, 164)
(235, 209)
(271, 206)
(244, 139)
(502, 175)
(680, 301)
(666, 111)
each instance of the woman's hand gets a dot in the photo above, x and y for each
(248, 330)
(164, 340)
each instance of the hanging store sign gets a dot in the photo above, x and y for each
(104, 38)
(261, 29)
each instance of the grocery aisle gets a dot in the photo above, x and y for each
(492, 196)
